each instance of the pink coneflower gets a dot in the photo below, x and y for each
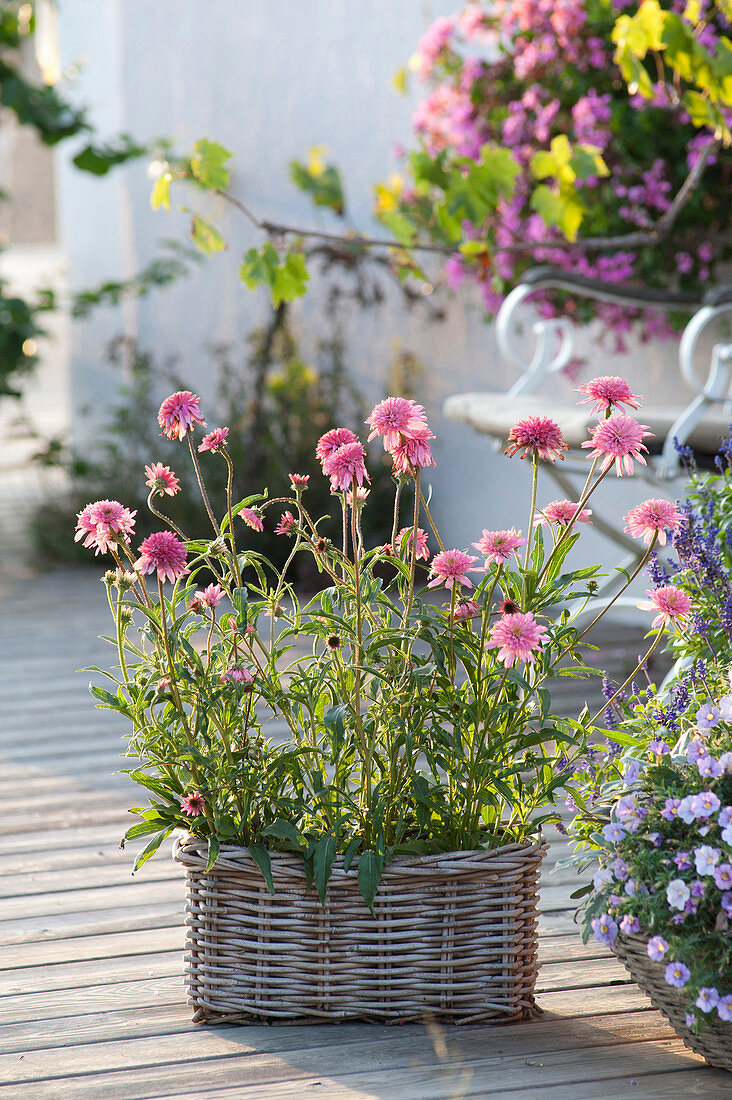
(608, 391)
(211, 596)
(405, 539)
(654, 517)
(361, 497)
(163, 552)
(518, 637)
(466, 609)
(193, 804)
(619, 440)
(329, 443)
(179, 414)
(499, 545)
(562, 512)
(237, 675)
(215, 440)
(299, 482)
(251, 518)
(672, 603)
(537, 435)
(396, 418)
(450, 567)
(103, 524)
(162, 479)
(345, 464)
(413, 452)
(287, 522)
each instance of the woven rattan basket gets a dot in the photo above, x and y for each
(714, 1040)
(454, 938)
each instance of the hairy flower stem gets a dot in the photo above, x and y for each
(632, 676)
(395, 524)
(366, 745)
(431, 522)
(165, 519)
(619, 593)
(413, 547)
(584, 497)
(229, 492)
(530, 528)
(202, 487)
(142, 593)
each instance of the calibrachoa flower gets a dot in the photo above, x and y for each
(656, 948)
(605, 929)
(563, 512)
(618, 439)
(707, 717)
(251, 518)
(706, 859)
(162, 479)
(652, 519)
(394, 419)
(345, 465)
(707, 999)
(613, 831)
(677, 893)
(165, 553)
(517, 637)
(103, 524)
(672, 604)
(607, 392)
(451, 567)
(422, 550)
(629, 925)
(287, 522)
(215, 440)
(498, 546)
(193, 804)
(536, 435)
(677, 974)
(179, 414)
(723, 876)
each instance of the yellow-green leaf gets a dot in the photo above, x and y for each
(208, 164)
(205, 236)
(560, 207)
(160, 195)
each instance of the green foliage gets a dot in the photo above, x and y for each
(286, 275)
(100, 159)
(208, 165)
(321, 181)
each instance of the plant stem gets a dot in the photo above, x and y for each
(413, 545)
(395, 524)
(625, 683)
(229, 489)
(201, 486)
(165, 519)
(431, 522)
(532, 509)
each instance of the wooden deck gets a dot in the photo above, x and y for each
(91, 994)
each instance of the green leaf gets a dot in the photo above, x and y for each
(151, 848)
(350, 852)
(260, 856)
(283, 830)
(561, 208)
(99, 159)
(323, 856)
(208, 164)
(291, 279)
(370, 866)
(334, 721)
(214, 847)
(400, 226)
(160, 194)
(105, 696)
(287, 279)
(204, 235)
(322, 182)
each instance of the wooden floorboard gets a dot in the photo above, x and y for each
(91, 992)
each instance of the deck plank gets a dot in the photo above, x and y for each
(92, 1000)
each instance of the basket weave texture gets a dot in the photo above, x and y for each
(713, 1042)
(454, 938)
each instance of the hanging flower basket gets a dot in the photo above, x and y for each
(453, 938)
(714, 1039)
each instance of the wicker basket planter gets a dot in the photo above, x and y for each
(714, 1041)
(454, 938)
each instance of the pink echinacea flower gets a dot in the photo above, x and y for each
(608, 391)
(451, 567)
(179, 414)
(562, 512)
(299, 482)
(654, 517)
(251, 518)
(346, 464)
(287, 522)
(396, 418)
(537, 435)
(211, 596)
(619, 439)
(672, 603)
(193, 804)
(215, 440)
(518, 637)
(328, 444)
(163, 552)
(499, 545)
(103, 524)
(162, 479)
(412, 452)
(404, 539)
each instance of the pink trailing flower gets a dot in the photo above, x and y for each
(299, 482)
(215, 440)
(193, 804)
(211, 596)
(328, 444)
(287, 522)
(422, 550)
(251, 518)
(654, 517)
(517, 637)
(537, 435)
(412, 452)
(179, 414)
(672, 604)
(608, 391)
(162, 479)
(394, 419)
(466, 609)
(165, 553)
(619, 439)
(498, 546)
(103, 524)
(346, 464)
(562, 512)
(451, 567)
(237, 675)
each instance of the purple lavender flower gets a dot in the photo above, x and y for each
(678, 918)
(698, 888)
(690, 1019)
(601, 878)
(677, 974)
(685, 810)
(708, 998)
(620, 869)
(605, 929)
(726, 902)
(656, 948)
(725, 708)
